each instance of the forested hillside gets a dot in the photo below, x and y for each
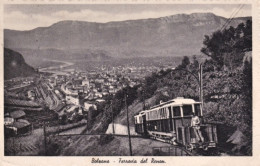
(15, 65)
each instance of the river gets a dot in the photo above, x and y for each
(56, 70)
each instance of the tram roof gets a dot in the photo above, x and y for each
(176, 101)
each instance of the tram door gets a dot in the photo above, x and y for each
(144, 124)
(170, 118)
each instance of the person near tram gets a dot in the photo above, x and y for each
(195, 124)
(173, 138)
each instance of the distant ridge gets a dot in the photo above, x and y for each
(175, 35)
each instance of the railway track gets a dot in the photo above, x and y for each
(117, 135)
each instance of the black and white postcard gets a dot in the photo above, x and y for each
(129, 82)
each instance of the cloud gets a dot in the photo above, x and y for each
(20, 21)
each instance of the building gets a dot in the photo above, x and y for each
(18, 127)
(8, 121)
(100, 80)
(100, 100)
(73, 99)
(87, 106)
(19, 114)
(105, 93)
(31, 95)
(85, 82)
(98, 94)
(15, 125)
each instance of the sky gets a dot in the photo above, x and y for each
(27, 17)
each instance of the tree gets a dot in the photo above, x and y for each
(195, 62)
(214, 47)
(246, 90)
(247, 39)
(185, 62)
(227, 47)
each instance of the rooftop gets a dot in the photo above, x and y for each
(17, 114)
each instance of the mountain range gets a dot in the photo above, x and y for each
(175, 35)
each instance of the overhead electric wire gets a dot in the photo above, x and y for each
(232, 17)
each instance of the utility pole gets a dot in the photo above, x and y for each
(143, 99)
(14, 146)
(113, 125)
(201, 83)
(44, 134)
(128, 128)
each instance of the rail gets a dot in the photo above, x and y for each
(117, 135)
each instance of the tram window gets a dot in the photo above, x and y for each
(176, 111)
(163, 110)
(169, 109)
(197, 109)
(187, 110)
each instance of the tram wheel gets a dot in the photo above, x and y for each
(189, 148)
(205, 147)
